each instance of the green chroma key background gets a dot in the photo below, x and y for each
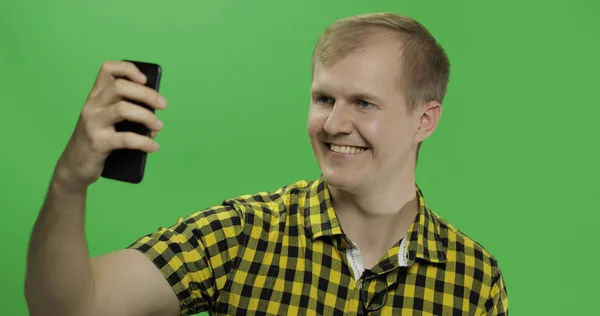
(514, 162)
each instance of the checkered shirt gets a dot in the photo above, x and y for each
(284, 253)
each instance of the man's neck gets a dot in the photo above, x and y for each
(376, 220)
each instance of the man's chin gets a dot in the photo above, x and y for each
(341, 180)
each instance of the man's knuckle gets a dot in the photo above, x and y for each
(128, 140)
(86, 112)
(121, 108)
(105, 66)
(96, 142)
(120, 85)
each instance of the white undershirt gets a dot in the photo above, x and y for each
(355, 260)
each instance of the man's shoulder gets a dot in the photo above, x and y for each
(259, 204)
(273, 201)
(462, 247)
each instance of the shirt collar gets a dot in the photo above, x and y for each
(320, 218)
(423, 240)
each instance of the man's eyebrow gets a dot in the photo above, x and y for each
(366, 96)
(355, 96)
(317, 91)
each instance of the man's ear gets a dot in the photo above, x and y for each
(430, 114)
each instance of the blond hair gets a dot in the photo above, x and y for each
(425, 68)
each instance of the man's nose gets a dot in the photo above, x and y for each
(339, 120)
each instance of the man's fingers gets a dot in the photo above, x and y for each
(132, 140)
(118, 84)
(113, 69)
(124, 110)
(121, 89)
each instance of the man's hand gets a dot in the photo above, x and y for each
(95, 137)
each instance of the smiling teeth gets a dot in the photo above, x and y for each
(346, 149)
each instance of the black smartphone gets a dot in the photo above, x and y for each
(128, 165)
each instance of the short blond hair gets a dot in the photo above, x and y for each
(425, 67)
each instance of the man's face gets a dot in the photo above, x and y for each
(361, 132)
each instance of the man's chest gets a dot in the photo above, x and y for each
(318, 280)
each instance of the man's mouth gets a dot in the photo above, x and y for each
(345, 149)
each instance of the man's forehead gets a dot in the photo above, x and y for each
(356, 75)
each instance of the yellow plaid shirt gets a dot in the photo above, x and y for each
(284, 253)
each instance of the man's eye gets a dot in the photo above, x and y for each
(325, 99)
(365, 104)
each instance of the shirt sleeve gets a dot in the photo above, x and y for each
(497, 302)
(196, 254)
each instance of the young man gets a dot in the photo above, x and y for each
(357, 240)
